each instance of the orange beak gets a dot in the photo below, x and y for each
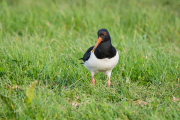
(98, 41)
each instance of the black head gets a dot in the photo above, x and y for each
(104, 34)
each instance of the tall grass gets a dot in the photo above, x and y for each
(43, 40)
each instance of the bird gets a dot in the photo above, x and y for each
(102, 57)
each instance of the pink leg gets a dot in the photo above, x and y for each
(93, 81)
(108, 82)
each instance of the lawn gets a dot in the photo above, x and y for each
(41, 42)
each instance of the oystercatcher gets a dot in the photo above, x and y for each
(102, 57)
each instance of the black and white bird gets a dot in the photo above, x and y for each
(102, 57)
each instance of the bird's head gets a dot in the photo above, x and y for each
(103, 36)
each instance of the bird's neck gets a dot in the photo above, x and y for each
(105, 45)
(105, 50)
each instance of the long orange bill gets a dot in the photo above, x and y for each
(97, 43)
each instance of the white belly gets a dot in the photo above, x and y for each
(101, 65)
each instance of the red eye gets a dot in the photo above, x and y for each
(104, 33)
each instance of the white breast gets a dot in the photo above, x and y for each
(95, 65)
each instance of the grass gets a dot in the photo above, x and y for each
(43, 40)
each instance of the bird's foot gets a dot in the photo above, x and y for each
(93, 81)
(108, 82)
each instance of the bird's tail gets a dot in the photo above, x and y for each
(81, 59)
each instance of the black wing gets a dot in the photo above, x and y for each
(87, 54)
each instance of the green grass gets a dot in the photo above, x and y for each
(43, 40)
